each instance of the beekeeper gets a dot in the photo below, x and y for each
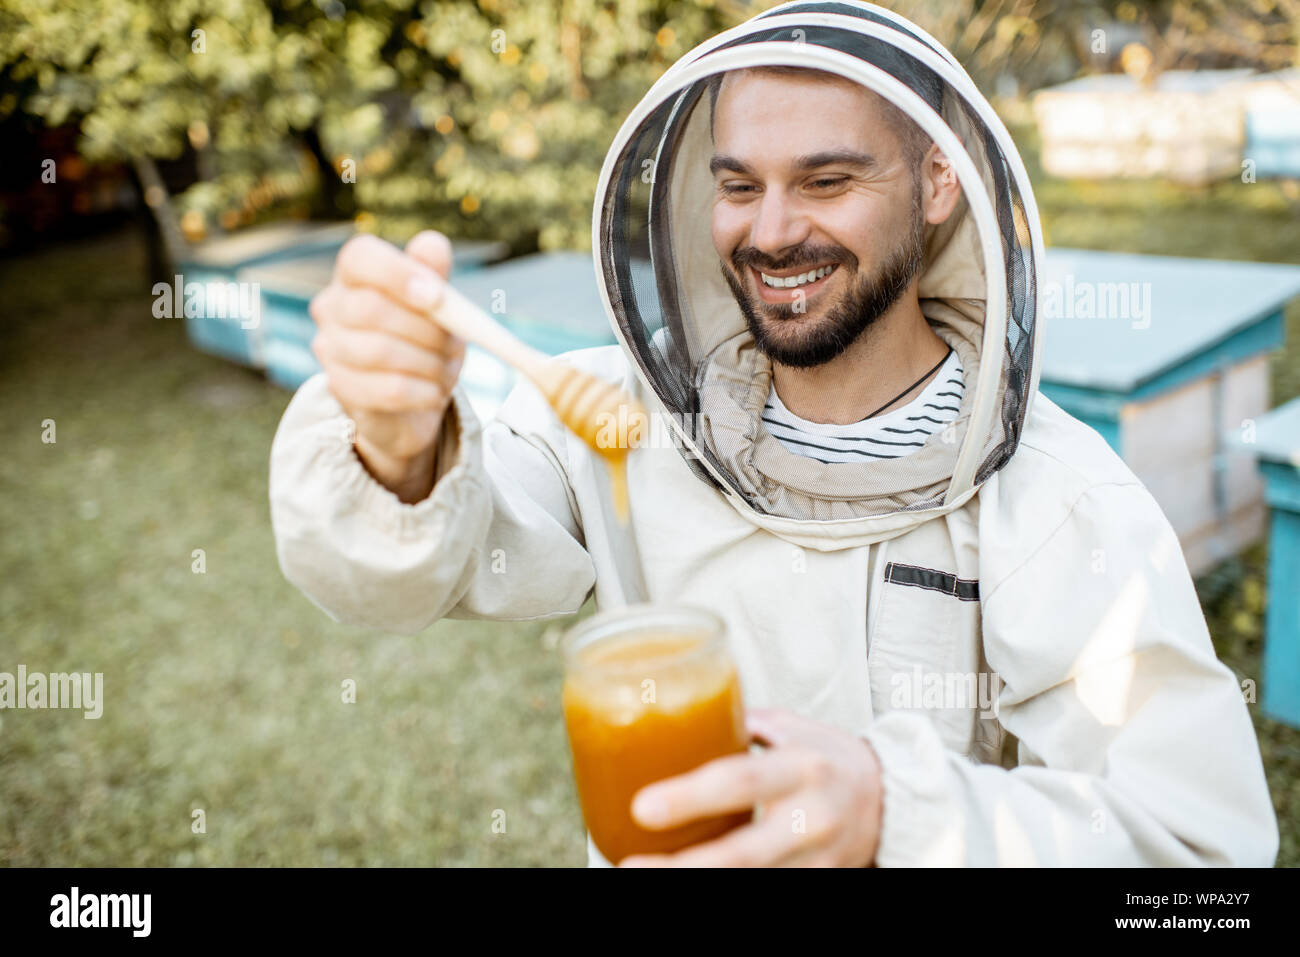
(820, 254)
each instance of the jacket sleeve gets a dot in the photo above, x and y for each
(1136, 747)
(498, 537)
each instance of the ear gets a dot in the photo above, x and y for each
(939, 187)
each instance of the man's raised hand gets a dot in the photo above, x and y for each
(388, 363)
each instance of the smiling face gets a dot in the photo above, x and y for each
(817, 214)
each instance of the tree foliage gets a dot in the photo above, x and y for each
(485, 118)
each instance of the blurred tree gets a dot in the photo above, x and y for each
(1035, 42)
(478, 117)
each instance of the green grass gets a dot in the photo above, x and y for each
(224, 689)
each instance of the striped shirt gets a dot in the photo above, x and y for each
(888, 436)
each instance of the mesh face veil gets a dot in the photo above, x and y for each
(680, 324)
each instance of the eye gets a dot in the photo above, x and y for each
(828, 182)
(733, 188)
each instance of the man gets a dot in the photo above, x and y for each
(914, 553)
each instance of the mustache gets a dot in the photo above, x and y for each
(747, 256)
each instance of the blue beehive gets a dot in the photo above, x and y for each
(1273, 142)
(210, 269)
(1162, 355)
(1275, 441)
(1272, 107)
(287, 287)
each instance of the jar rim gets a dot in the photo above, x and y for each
(634, 619)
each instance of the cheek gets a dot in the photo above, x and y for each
(864, 229)
(728, 229)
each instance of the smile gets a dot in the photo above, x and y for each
(800, 279)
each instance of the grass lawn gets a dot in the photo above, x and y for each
(223, 689)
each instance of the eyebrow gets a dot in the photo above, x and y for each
(863, 161)
(722, 161)
(809, 161)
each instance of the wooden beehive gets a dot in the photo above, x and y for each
(1166, 380)
(1274, 439)
(220, 260)
(1187, 125)
(1271, 104)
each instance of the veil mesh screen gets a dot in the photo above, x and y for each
(642, 271)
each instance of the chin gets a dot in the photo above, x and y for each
(780, 321)
(785, 340)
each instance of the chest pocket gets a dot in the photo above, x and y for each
(924, 647)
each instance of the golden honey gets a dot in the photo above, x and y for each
(644, 707)
(585, 404)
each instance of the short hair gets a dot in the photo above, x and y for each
(914, 140)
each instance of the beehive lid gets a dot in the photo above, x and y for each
(555, 290)
(1277, 435)
(468, 254)
(1271, 91)
(1193, 306)
(304, 276)
(260, 243)
(1170, 81)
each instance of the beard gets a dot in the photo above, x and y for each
(867, 299)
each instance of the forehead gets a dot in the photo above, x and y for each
(795, 111)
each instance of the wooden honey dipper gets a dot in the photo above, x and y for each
(580, 400)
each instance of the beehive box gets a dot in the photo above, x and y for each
(1274, 439)
(1165, 378)
(208, 275)
(1271, 104)
(1188, 125)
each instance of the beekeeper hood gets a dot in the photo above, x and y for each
(680, 324)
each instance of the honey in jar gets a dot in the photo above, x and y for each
(650, 692)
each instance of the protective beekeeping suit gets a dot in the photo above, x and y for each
(1012, 550)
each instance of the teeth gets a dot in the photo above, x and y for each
(789, 282)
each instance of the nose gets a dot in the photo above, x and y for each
(778, 224)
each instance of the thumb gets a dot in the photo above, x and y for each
(433, 249)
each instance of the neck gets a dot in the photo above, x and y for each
(888, 357)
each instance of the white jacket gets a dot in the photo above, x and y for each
(1135, 746)
(1051, 580)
